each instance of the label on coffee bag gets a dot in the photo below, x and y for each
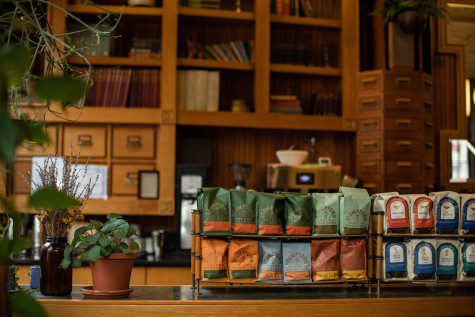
(214, 263)
(424, 258)
(396, 257)
(447, 258)
(243, 214)
(270, 261)
(298, 211)
(397, 210)
(468, 214)
(242, 259)
(270, 208)
(327, 209)
(447, 213)
(423, 215)
(296, 260)
(354, 211)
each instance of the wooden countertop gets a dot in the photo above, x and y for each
(271, 301)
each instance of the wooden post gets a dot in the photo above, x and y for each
(192, 253)
(198, 251)
(379, 249)
(262, 56)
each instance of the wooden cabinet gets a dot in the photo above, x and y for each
(125, 178)
(32, 149)
(133, 142)
(90, 140)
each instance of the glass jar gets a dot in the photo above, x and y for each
(55, 281)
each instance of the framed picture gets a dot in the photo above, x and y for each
(148, 184)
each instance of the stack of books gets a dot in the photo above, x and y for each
(198, 90)
(294, 7)
(288, 104)
(145, 48)
(202, 4)
(236, 51)
(137, 88)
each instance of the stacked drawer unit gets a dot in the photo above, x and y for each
(396, 131)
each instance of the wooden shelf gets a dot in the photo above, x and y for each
(207, 63)
(217, 14)
(261, 120)
(316, 22)
(97, 114)
(117, 61)
(305, 70)
(104, 9)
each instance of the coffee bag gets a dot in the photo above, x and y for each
(467, 223)
(270, 211)
(467, 269)
(243, 211)
(214, 202)
(423, 259)
(395, 262)
(447, 206)
(422, 214)
(297, 263)
(353, 259)
(243, 260)
(447, 259)
(325, 259)
(270, 261)
(326, 213)
(396, 212)
(214, 265)
(354, 211)
(298, 214)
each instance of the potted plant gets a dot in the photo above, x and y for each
(105, 246)
(411, 15)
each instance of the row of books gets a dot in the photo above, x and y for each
(198, 90)
(202, 4)
(236, 51)
(321, 104)
(294, 7)
(125, 87)
(146, 48)
(288, 104)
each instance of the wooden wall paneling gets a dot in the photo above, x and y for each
(262, 56)
(168, 276)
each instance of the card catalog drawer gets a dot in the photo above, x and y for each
(132, 142)
(91, 140)
(402, 102)
(22, 186)
(403, 124)
(369, 146)
(369, 104)
(32, 149)
(370, 82)
(369, 124)
(404, 167)
(408, 147)
(373, 186)
(404, 187)
(369, 167)
(402, 82)
(125, 178)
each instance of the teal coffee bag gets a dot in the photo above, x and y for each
(354, 211)
(243, 211)
(270, 211)
(270, 261)
(214, 202)
(326, 213)
(297, 262)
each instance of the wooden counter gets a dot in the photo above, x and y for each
(273, 302)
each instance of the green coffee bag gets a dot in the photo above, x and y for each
(270, 210)
(354, 211)
(298, 214)
(326, 213)
(214, 202)
(243, 211)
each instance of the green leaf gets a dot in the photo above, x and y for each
(121, 230)
(79, 231)
(65, 263)
(60, 88)
(134, 246)
(77, 262)
(68, 250)
(23, 305)
(105, 252)
(92, 239)
(94, 253)
(51, 198)
(14, 63)
(96, 223)
(113, 216)
(131, 231)
(104, 241)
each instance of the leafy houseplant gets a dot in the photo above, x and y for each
(411, 15)
(104, 246)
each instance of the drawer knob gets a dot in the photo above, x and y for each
(428, 105)
(428, 83)
(429, 124)
(134, 141)
(371, 80)
(403, 122)
(369, 123)
(430, 166)
(131, 178)
(369, 186)
(404, 186)
(404, 164)
(429, 146)
(368, 164)
(85, 140)
(370, 144)
(404, 101)
(403, 80)
(404, 144)
(370, 103)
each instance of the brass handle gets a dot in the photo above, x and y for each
(369, 123)
(131, 178)
(404, 144)
(429, 145)
(404, 164)
(430, 166)
(407, 101)
(367, 144)
(134, 141)
(368, 164)
(85, 140)
(429, 124)
(403, 122)
(403, 186)
(403, 80)
(369, 80)
(428, 83)
(369, 103)
(429, 105)
(369, 185)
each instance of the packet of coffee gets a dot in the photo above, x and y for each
(243, 211)
(270, 210)
(326, 213)
(467, 260)
(421, 209)
(298, 214)
(395, 261)
(243, 260)
(423, 259)
(353, 259)
(325, 260)
(214, 265)
(447, 206)
(396, 211)
(447, 259)
(297, 262)
(467, 221)
(354, 211)
(270, 261)
(214, 202)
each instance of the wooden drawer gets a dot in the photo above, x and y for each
(369, 124)
(22, 186)
(403, 167)
(403, 102)
(132, 142)
(373, 186)
(369, 104)
(404, 187)
(397, 83)
(369, 145)
(370, 82)
(91, 140)
(369, 167)
(403, 124)
(406, 146)
(31, 149)
(125, 178)
(428, 87)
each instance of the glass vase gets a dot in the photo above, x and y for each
(54, 280)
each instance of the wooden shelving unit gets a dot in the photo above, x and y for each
(206, 63)
(117, 61)
(113, 9)
(305, 70)
(216, 14)
(284, 19)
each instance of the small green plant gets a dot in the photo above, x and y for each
(426, 8)
(99, 239)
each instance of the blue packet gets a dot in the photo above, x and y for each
(424, 259)
(447, 259)
(395, 260)
(270, 261)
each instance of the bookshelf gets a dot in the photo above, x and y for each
(253, 81)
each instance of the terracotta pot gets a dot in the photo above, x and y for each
(113, 272)
(411, 22)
